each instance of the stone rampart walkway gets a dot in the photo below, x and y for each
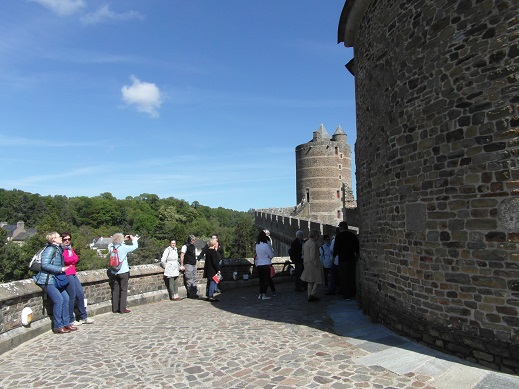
(238, 342)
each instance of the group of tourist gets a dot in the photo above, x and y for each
(186, 262)
(59, 281)
(333, 263)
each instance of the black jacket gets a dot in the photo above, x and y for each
(212, 264)
(296, 250)
(190, 255)
(346, 246)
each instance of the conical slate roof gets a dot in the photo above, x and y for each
(339, 135)
(339, 131)
(321, 134)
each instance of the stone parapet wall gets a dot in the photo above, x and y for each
(14, 296)
(437, 89)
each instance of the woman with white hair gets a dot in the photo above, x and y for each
(119, 278)
(52, 266)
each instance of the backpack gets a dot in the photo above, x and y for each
(35, 263)
(115, 262)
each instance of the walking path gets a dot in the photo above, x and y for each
(238, 342)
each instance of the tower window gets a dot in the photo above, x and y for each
(340, 167)
(338, 194)
(308, 195)
(336, 151)
(341, 156)
(338, 214)
(340, 177)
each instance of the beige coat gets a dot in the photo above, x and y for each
(313, 271)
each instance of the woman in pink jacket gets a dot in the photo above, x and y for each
(74, 287)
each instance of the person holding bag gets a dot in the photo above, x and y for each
(211, 269)
(119, 277)
(52, 279)
(171, 265)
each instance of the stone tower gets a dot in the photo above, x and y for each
(437, 102)
(323, 177)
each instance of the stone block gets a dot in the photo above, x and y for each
(490, 282)
(481, 224)
(415, 217)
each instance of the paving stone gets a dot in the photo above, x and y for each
(239, 342)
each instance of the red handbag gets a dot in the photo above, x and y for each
(217, 278)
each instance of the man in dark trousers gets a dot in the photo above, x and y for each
(296, 256)
(347, 248)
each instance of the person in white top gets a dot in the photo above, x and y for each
(171, 265)
(264, 254)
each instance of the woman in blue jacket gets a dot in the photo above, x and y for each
(52, 265)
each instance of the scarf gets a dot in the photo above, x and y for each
(64, 247)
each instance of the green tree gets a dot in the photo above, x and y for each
(13, 265)
(244, 238)
(156, 220)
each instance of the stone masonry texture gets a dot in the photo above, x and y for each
(437, 90)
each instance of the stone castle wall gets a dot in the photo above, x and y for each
(437, 90)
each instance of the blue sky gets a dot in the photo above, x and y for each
(200, 100)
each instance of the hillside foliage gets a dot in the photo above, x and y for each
(156, 220)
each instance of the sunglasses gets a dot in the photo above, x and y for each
(66, 239)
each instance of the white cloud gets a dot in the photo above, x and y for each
(62, 7)
(104, 13)
(145, 96)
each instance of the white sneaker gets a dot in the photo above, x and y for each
(76, 323)
(265, 297)
(87, 321)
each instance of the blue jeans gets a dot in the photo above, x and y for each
(60, 307)
(212, 285)
(75, 292)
